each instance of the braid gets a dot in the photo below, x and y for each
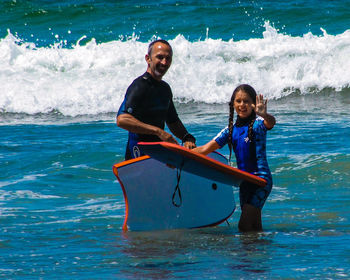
(251, 92)
(250, 129)
(252, 146)
(230, 128)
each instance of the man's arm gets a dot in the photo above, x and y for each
(130, 123)
(179, 130)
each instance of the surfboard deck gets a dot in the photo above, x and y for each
(198, 164)
(148, 186)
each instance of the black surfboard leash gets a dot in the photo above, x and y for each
(177, 189)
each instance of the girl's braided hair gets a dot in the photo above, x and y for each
(252, 93)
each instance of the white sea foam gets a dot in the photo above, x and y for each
(92, 78)
(26, 194)
(26, 178)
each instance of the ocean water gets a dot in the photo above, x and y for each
(65, 67)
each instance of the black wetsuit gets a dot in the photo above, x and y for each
(149, 101)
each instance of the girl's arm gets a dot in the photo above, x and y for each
(261, 110)
(207, 148)
(269, 121)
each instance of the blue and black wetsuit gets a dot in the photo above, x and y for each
(250, 157)
(150, 101)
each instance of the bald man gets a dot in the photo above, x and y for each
(148, 105)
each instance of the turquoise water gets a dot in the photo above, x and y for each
(65, 68)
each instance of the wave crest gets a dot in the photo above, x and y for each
(92, 78)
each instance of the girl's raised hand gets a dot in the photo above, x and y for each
(261, 110)
(261, 105)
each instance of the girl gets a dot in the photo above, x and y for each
(247, 137)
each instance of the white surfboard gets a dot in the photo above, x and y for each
(152, 201)
(201, 165)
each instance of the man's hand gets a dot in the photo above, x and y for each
(165, 136)
(133, 125)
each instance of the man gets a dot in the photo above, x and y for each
(148, 105)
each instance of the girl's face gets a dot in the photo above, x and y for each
(243, 104)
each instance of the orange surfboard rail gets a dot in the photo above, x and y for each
(172, 154)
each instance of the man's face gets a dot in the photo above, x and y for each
(159, 60)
